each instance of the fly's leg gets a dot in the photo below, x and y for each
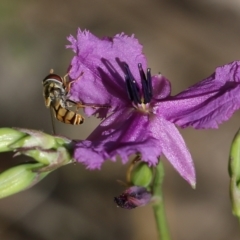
(79, 105)
(68, 84)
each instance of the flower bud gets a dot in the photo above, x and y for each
(133, 197)
(142, 175)
(35, 138)
(9, 136)
(51, 159)
(19, 178)
(234, 173)
(50, 153)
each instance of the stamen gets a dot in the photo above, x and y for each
(146, 98)
(129, 91)
(132, 88)
(149, 81)
(146, 84)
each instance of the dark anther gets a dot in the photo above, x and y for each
(149, 81)
(132, 88)
(146, 84)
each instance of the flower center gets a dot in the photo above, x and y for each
(139, 99)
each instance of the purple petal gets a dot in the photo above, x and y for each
(207, 103)
(161, 87)
(174, 148)
(125, 125)
(92, 153)
(98, 66)
(123, 133)
(135, 133)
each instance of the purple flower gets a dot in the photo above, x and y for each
(133, 197)
(142, 113)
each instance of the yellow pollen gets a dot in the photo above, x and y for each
(144, 108)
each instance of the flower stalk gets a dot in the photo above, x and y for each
(158, 205)
(234, 173)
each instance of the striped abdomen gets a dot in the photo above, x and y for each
(66, 116)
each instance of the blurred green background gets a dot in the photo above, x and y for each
(185, 40)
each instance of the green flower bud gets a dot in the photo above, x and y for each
(51, 159)
(7, 137)
(234, 173)
(62, 140)
(142, 175)
(35, 139)
(50, 153)
(19, 178)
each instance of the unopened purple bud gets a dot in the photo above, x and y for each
(133, 197)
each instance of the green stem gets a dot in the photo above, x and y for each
(158, 206)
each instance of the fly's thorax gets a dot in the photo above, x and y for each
(57, 91)
(53, 90)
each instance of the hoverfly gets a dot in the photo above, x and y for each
(55, 90)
